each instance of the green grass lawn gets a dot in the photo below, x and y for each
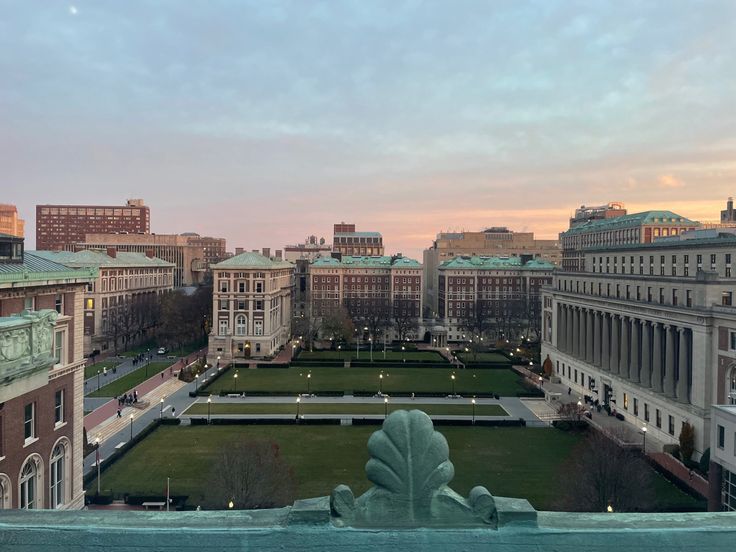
(462, 409)
(129, 381)
(406, 380)
(483, 357)
(91, 370)
(377, 355)
(513, 462)
(153, 347)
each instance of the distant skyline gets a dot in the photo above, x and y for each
(264, 122)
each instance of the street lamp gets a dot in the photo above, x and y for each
(235, 377)
(98, 379)
(473, 403)
(370, 340)
(541, 381)
(97, 458)
(230, 504)
(385, 407)
(644, 443)
(293, 351)
(298, 400)
(380, 384)
(609, 509)
(196, 382)
(403, 353)
(339, 352)
(309, 377)
(452, 377)
(218, 362)
(131, 427)
(161, 409)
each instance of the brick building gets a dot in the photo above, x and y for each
(347, 241)
(214, 249)
(59, 227)
(491, 296)
(9, 222)
(42, 372)
(116, 303)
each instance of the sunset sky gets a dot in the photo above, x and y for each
(264, 122)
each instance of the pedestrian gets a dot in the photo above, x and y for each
(412, 396)
(569, 390)
(119, 414)
(162, 375)
(690, 475)
(171, 370)
(135, 395)
(173, 412)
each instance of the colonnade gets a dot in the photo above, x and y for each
(651, 354)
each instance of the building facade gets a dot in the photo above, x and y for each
(586, 213)
(492, 242)
(10, 223)
(728, 215)
(646, 328)
(214, 250)
(722, 473)
(251, 307)
(60, 227)
(347, 241)
(42, 373)
(642, 227)
(387, 290)
(119, 304)
(309, 250)
(491, 296)
(190, 266)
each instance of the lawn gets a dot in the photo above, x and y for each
(514, 462)
(484, 357)
(462, 409)
(404, 380)
(153, 347)
(91, 369)
(130, 380)
(377, 355)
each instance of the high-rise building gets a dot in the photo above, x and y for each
(187, 258)
(310, 249)
(347, 241)
(636, 228)
(59, 227)
(729, 214)
(251, 307)
(492, 242)
(648, 329)
(9, 222)
(42, 374)
(214, 248)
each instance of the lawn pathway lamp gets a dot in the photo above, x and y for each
(473, 403)
(209, 408)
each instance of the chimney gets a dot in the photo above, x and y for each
(279, 254)
(239, 250)
(150, 253)
(112, 252)
(267, 252)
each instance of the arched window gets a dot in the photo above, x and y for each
(28, 491)
(241, 323)
(56, 475)
(4, 492)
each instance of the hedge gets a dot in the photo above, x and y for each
(202, 391)
(280, 393)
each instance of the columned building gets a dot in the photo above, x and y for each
(251, 307)
(645, 329)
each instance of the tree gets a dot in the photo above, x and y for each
(252, 474)
(687, 441)
(571, 412)
(405, 320)
(510, 314)
(477, 323)
(308, 327)
(338, 325)
(602, 474)
(533, 315)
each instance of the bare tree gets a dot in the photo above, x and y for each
(308, 327)
(338, 325)
(533, 315)
(602, 474)
(405, 320)
(477, 323)
(252, 474)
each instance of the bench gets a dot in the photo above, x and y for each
(234, 395)
(158, 505)
(120, 445)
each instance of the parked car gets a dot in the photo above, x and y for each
(162, 350)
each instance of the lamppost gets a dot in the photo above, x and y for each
(218, 362)
(131, 427)
(452, 377)
(97, 458)
(473, 403)
(196, 382)
(385, 407)
(644, 442)
(209, 408)
(339, 352)
(161, 409)
(357, 347)
(370, 340)
(380, 384)
(541, 381)
(98, 379)
(298, 400)
(309, 377)
(230, 504)
(403, 353)
(235, 377)
(293, 351)
(384, 345)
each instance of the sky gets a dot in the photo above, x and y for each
(265, 122)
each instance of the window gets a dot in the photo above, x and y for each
(224, 304)
(29, 421)
(28, 486)
(661, 296)
(258, 327)
(56, 474)
(59, 347)
(59, 303)
(636, 406)
(29, 303)
(241, 287)
(649, 295)
(689, 297)
(89, 304)
(258, 304)
(259, 287)
(224, 327)
(733, 341)
(671, 424)
(59, 406)
(240, 325)
(713, 261)
(721, 437)
(626, 401)
(674, 297)
(646, 412)
(727, 298)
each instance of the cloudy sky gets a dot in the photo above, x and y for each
(267, 121)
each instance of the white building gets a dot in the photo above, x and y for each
(723, 456)
(251, 307)
(649, 329)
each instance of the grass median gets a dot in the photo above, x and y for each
(130, 380)
(92, 369)
(366, 355)
(464, 409)
(348, 380)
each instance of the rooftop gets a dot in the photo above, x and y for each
(367, 262)
(688, 239)
(252, 260)
(630, 221)
(357, 234)
(99, 259)
(35, 268)
(493, 263)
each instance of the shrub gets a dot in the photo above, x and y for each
(704, 464)
(687, 441)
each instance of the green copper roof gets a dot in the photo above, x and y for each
(721, 239)
(252, 260)
(36, 268)
(631, 221)
(99, 259)
(367, 262)
(493, 263)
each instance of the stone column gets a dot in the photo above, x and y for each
(575, 332)
(657, 357)
(597, 338)
(606, 342)
(646, 355)
(560, 328)
(615, 344)
(589, 337)
(682, 367)
(634, 362)
(669, 361)
(623, 357)
(568, 330)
